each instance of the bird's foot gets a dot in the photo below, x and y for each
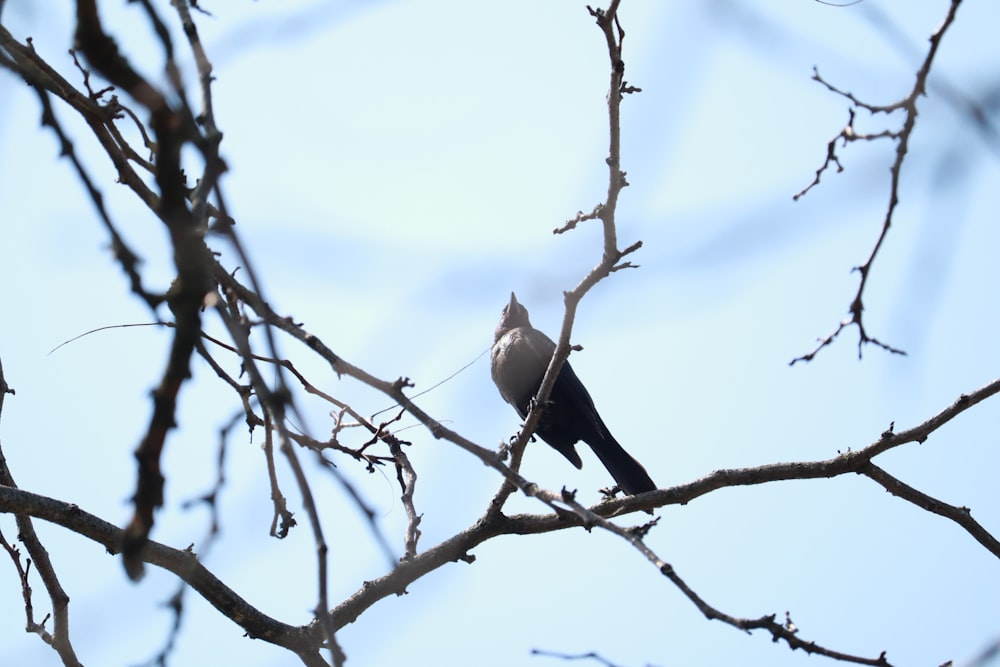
(609, 493)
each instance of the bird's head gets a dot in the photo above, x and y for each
(514, 315)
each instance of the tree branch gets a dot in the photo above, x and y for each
(902, 137)
(184, 564)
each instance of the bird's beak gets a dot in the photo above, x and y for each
(513, 303)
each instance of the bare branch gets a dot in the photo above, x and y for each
(908, 105)
(59, 639)
(960, 515)
(614, 34)
(407, 478)
(183, 563)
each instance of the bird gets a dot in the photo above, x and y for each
(519, 358)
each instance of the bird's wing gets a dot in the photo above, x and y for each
(572, 401)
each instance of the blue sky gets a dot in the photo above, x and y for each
(396, 170)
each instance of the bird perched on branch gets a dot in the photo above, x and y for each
(520, 357)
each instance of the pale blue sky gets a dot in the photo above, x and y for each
(396, 170)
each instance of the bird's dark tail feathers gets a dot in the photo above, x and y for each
(628, 472)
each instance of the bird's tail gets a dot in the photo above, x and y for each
(628, 472)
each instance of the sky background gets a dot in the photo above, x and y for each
(396, 169)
